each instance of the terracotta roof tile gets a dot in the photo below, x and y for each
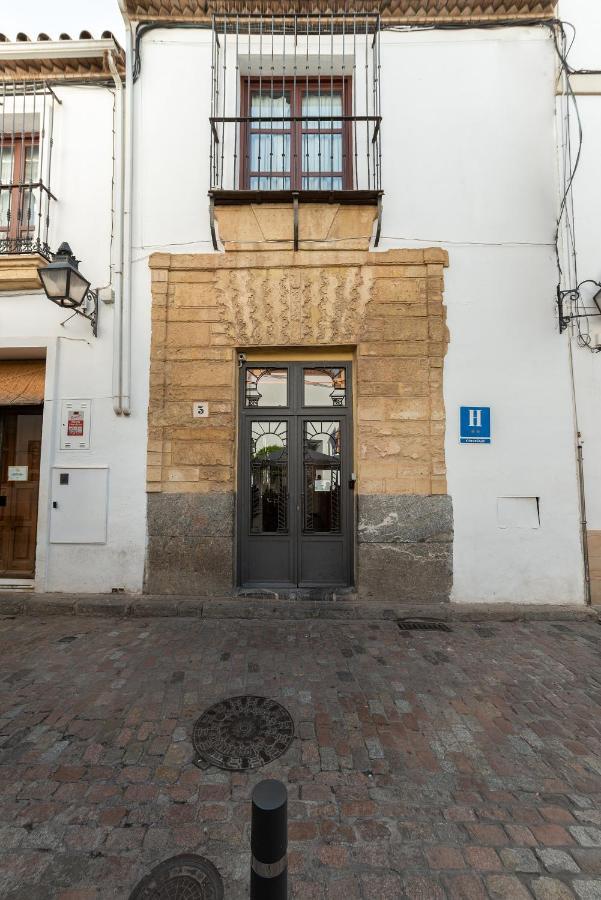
(69, 68)
(399, 11)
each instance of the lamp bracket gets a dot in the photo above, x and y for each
(573, 295)
(92, 317)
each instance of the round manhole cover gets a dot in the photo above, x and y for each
(185, 877)
(242, 733)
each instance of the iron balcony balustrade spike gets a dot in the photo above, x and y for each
(25, 245)
(26, 142)
(574, 296)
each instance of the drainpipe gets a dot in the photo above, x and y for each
(118, 317)
(122, 400)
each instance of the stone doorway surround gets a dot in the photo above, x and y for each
(382, 309)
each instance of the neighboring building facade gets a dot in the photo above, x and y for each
(582, 260)
(338, 239)
(72, 505)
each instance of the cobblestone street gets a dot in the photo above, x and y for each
(425, 765)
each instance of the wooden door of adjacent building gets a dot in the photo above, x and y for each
(20, 449)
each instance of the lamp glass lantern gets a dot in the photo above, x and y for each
(62, 281)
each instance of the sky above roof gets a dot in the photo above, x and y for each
(53, 18)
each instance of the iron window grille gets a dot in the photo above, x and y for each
(295, 105)
(26, 126)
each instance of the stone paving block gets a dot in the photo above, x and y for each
(519, 859)
(430, 799)
(586, 836)
(588, 890)
(551, 889)
(465, 887)
(557, 860)
(507, 887)
(420, 887)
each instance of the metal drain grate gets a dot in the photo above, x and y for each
(242, 733)
(185, 877)
(421, 625)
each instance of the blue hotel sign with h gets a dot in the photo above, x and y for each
(474, 425)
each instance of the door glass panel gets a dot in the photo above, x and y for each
(6, 177)
(325, 387)
(268, 477)
(27, 448)
(28, 209)
(270, 102)
(322, 104)
(266, 387)
(321, 470)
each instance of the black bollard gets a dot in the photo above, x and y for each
(269, 842)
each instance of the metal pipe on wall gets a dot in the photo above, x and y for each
(123, 394)
(118, 317)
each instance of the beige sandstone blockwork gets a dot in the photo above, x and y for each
(387, 306)
(270, 226)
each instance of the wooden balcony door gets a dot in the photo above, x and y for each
(20, 448)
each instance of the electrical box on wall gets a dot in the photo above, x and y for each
(75, 424)
(79, 505)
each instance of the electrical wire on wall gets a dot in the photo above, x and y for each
(569, 287)
(572, 305)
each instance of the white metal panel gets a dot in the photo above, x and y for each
(75, 425)
(518, 512)
(78, 512)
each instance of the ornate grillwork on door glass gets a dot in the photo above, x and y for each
(321, 470)
(269, 477)
(324, 386)
(266, 387)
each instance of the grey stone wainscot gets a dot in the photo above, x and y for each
(190, 544)
(405, 547)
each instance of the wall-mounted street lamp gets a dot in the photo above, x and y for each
(576, 311)
(64, 284)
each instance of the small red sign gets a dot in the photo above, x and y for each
(75, 425)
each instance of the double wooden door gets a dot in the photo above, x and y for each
(20, 449)
(295, 498)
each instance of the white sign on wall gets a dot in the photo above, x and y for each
(200, 409)
(75, 425)
(18, 473)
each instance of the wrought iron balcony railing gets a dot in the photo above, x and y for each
(295, 106)
(26, 125)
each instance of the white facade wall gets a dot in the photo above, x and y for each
(79, 366)
(468, 164)
(586, 54)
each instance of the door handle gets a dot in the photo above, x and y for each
(54, 504)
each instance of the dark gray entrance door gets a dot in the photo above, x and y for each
(295, 498)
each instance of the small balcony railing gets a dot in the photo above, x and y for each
(295, 107)
(26, 125)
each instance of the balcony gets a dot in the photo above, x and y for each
(295, 111)
(26, 123)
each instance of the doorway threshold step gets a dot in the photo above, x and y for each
(312, 595)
